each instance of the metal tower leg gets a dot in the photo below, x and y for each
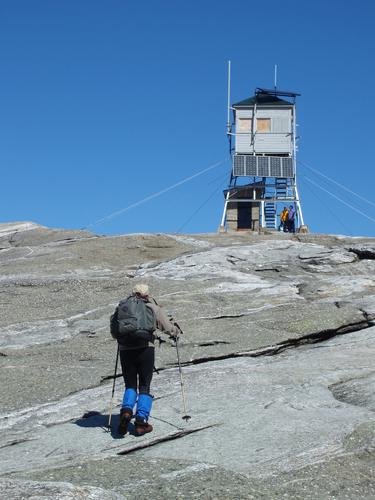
(222, 225)
(263, 214)
(302, 223)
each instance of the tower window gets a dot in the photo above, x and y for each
(263, 125)
(244, 125)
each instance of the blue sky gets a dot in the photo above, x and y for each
(105, 103)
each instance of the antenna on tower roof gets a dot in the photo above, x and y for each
(275, 77)
(229, 127)
(228, 115)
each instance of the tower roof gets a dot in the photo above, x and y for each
(263, 98)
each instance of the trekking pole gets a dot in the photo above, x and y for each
(185, 416)
(113, 387)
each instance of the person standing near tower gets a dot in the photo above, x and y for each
(283, 220)
(291, 219)
(132, 325)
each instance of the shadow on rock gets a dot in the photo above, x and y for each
(97, 419)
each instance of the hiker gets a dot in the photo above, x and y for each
(137, 317)
(291, 219)
(283, 220)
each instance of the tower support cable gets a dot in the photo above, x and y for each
(155, 195)
(339, 199)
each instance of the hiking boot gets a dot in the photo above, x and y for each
(125, 417)
(142, 427)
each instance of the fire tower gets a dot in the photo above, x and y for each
(263, 170)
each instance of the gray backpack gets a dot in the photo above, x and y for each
(133, 323)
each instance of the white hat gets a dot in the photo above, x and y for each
(141, 289)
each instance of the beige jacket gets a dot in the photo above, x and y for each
(163, 323)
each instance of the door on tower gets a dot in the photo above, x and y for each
(244, 215)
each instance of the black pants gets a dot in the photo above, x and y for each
(137, 368)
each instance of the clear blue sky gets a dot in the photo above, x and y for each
(103, 103)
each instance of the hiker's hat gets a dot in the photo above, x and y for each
(141, 289)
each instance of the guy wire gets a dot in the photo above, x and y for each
(155, 195)
(321, 200)
(203, 204)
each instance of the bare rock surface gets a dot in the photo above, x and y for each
(277, 352)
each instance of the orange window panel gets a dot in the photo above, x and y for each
(244, 125)
(263, 125)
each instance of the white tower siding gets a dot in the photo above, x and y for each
(277, 140)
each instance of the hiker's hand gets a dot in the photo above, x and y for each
(174, 333)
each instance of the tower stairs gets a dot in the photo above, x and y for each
(278, 192)
(270, 214)
(281, 188)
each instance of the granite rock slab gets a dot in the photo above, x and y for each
(277, 353)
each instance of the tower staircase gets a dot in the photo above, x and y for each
(281, 188)
(279, 192)
(270, 214)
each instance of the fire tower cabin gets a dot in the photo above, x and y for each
(263, 174)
